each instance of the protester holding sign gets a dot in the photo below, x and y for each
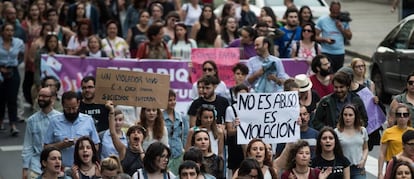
(232, 122)
(131, 155)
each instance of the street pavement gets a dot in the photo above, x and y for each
(371, 22)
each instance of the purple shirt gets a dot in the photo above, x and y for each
(246, 51)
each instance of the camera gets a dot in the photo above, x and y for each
(344, 16)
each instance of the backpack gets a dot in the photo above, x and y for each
(315, 46)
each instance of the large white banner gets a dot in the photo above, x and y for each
(271, 117)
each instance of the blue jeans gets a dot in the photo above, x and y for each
(357, 173)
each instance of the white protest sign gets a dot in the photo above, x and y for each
(271, 117)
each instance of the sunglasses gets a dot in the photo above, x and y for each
(306, 30)
(410, 82)
(208, 69)
(402, 114)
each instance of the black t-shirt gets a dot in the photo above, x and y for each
(220, 105)
(98, 112)
(338, 165)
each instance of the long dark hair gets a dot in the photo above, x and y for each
(357, 118)
(154, 150)
(337, 148)
(269, 12)
(313, 37)
(224, 35)
(401, 163)
(301, 20)
(77, 159)
(211, 30)
(175, 40)
(267, 160)
(291, 163)
(212, 63)
(247, 165)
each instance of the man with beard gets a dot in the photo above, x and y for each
(87, 105)
(331, 33)
(266, 72)
(292, 34)
(321, 80)
(208, 98)
(69, 126)
(330, 106)
(36, 126)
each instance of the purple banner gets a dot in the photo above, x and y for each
(376, 116)
(71, 70)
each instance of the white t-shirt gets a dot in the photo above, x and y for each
(193, 14)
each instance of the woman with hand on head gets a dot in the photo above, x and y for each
(391, 142)
(298, 163)
(131, 155)
(86, 160)
(354, 140)
(155, 163)
(107, 147)
(257, 149)
(329, 154)
(51, 164)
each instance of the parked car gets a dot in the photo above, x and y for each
(318, 7)
(393, 60)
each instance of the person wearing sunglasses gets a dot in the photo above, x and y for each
(210, 68)
(306, 48)
(406, 97)
(406, 155)
(391, 141)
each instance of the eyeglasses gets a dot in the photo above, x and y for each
(402, 114)
(306, 30)
(410, 82)
(51, 33)
(208, 69)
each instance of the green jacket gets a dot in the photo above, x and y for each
(326, 111)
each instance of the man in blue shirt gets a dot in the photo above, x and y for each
(36, 126)
(266, 72)
(293, 33)
(330, 32)
(69, 126)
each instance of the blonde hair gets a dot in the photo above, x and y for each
(355, 61)
(111, 163)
